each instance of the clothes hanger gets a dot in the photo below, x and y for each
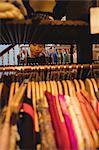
(5, 135)
(96, 89)
(36, 123)
(94, 84)
(14, 136)
(41, 90)
(55, 93)
(16, 86)
(12, 90)
(89, 84)
(77, 86)
(44, 89)
(59, 85)
(81, 82)
(97, 81)
(75, 81)
(29, 88)
(72, 91)
(71, 88)
(66, 92)
(60, 89)
(48, 86)
(82, 85)
(1, 88)
(17, 98)
(90, 89)
(37, 94)
(37, 91)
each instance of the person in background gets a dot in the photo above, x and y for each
(50, 53)
(36, 49)
(59, 56)
(67, 59)
(68, 56)
(61, 53)
(53, 55)
(75, 56)
(46, 56)
(64, 56)
(22, 56)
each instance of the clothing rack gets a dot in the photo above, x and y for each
(48, 67)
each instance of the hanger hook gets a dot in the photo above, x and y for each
(70, 72)
(77, 66)
(81, 71)
(92, 71)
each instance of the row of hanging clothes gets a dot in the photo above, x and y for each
(49, 109)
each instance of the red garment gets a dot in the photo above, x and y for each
(61, 132)
(29, 110)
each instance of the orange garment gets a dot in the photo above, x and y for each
(88, 113)
(94, 103)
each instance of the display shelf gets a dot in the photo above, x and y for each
(44, 31)
(48, 32)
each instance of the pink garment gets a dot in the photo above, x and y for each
(61, 132)
(68, 123)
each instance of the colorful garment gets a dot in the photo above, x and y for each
(94, 103)
(46, 130)
(75, 122)
(88, 142)
(25, 125)
(61, 132)
(68, 122)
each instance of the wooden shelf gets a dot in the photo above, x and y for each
(42, 31)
